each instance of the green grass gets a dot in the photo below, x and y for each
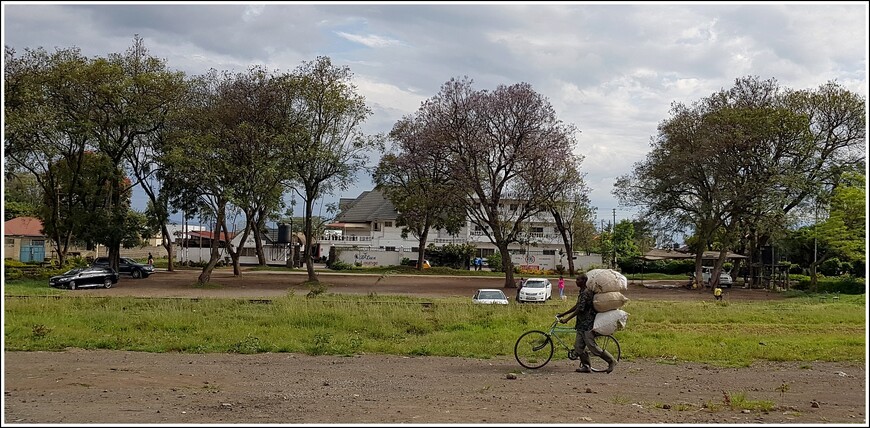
(797, 329)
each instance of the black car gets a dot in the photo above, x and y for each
(126, 266)
(85, 277)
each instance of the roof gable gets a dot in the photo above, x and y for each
(23, 226)
(368, 207)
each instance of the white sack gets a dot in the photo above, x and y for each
(610, 321)
(606, 280)
(603, 302)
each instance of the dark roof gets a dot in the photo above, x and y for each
(369, 206)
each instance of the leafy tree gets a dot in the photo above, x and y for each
(199, 169)
(325, 148)
(42, 107)
(22, 195)
(418, 182)
(571, 212)
(733, 165)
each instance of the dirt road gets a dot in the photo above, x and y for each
(117, 387)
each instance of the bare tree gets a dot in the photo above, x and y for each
(506, 148)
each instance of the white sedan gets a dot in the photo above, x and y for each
(536, 290)
(489, 296)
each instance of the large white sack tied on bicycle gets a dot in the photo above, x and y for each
(603, 302)
(606, 280)
(610, 321)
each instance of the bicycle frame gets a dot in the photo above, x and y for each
(554, 332)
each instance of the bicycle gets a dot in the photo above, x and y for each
(534, 348)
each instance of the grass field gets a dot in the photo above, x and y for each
(721, 333)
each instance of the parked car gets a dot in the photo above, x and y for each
(127, 266)
(724, 277)
(85, 277)
(536, 290)
(489, 296)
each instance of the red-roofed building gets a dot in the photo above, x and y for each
(24, 240)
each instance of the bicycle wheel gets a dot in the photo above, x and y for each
(606, 343)
(533, 349)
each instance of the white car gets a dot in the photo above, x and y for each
(489, 296)
(724, 277)
(536, 290)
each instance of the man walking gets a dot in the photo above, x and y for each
(585, 313)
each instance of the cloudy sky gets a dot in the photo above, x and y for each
(612, 69)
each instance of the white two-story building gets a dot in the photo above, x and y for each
(365, 232)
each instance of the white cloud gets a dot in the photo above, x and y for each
(371, 40)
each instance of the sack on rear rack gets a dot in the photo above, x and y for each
(610, 321)
(603, 302)
(606, 280)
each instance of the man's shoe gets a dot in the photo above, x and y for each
(583, 369)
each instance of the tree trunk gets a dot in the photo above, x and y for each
(205, 276)
(698, 281)
(309, 264)
(507, 265)
(421, 249)
(167, 244)
(258, 239)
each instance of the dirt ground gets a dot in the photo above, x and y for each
(117, 387)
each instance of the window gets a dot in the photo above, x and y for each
(388, 224)
(36, 242)
(534, 229)
(377, 226)
(10, 241)
(389, 248)
(549, 252)
(415, 249)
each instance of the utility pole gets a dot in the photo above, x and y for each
(612, 229)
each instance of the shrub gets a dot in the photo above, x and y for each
(494, 262)
(340, 265)
(844, 284)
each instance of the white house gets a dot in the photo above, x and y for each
(370, 236)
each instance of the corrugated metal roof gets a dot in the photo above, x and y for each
(368, 207)
(23, 226)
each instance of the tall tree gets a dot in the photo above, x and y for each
(734, 164)
(418, 182)
(504, 147)
(320, 127)
(199, 168)
(42, 107)
(570, 208)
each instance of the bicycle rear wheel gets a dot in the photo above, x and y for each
(606, 343)
(533, 349)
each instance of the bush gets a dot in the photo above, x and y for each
(494, 262)
(340, 265)
(844, 284)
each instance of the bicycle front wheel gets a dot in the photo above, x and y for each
(533, 349)
(606, 343)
